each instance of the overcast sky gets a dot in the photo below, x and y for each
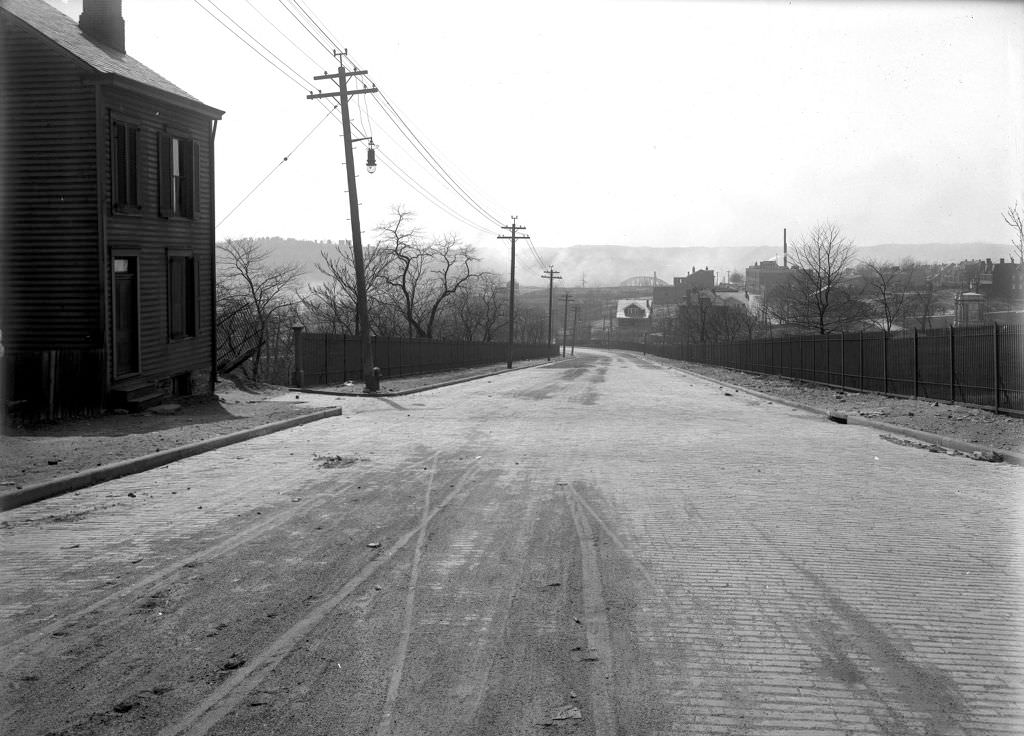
(654, 123)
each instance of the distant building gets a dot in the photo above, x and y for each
(969, 309)
(629, 312)
(1001, 281)
(682, 287)
(108, 248)
(764, 276)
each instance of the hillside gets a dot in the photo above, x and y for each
(608, 265)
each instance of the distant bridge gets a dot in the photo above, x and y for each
(641, 281)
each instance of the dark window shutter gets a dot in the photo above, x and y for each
(133, 166)
(164, 173)
(193, 297)
(193, 179)
(116, 164)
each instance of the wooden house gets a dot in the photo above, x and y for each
(108, 250)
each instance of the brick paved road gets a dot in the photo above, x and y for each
(603, 534)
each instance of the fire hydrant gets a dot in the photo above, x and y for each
(373, 381)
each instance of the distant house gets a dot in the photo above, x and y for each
(632, 309)
(1002, 281)
(108, 221)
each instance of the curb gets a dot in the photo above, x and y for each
(951, 443)
(421, 389)
(77, 481)
(84, 479)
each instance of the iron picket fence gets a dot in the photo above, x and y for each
(324, 359)
(981, 365)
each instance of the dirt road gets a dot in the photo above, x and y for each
(600, 546)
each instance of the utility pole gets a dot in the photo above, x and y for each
(575, 316)
(512, 282)
(370, 379)
(550, 276)
(565, 321)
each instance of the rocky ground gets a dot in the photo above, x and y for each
(36, 454)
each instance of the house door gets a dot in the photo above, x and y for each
(126, 315)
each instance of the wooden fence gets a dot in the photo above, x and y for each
(978, 364)
(326, 359)
(48, 385)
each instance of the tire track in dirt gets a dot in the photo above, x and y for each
(410, 601)
(232, 692)
(595, 619)
(21, 647)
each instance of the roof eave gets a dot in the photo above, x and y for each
(116, 80)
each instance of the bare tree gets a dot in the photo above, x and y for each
(251, 293)
(421, 276)
(890, 291)
(531, 324)
(818, 295)
(729, 321)
(1014, 217)
(478, 310)
(338, 294)
(329, 308)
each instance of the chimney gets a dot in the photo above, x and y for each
(102, 23)
(785, 250)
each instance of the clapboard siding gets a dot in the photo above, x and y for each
(52, 293)
(152, 236)
(60, 230)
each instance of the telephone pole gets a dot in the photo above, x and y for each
(512, 282)
(565, 321)
(575, 316)
(550, 276)
(370, 379)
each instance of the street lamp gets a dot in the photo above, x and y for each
(371, 158)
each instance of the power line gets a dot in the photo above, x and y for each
(279, 164)
(445, 177)
(318, 25)
(444, 174)
(306, 28)
(277, 28)
(404, 176)
(400, 124)
(283, 64)
(404, 128)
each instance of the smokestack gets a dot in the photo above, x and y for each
(785, 250)
(101, 22)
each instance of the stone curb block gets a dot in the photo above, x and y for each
(68, 483)
(947, 442)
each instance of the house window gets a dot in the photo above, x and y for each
(181, 297)
(124, 176)
(178, 176)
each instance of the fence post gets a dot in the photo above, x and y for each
(327, 358)
(842, 359)
(885, 362)
(952, 365)
(297, 376)
(916, 379)
(828, 349)
(995, 361)
(861, 367)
